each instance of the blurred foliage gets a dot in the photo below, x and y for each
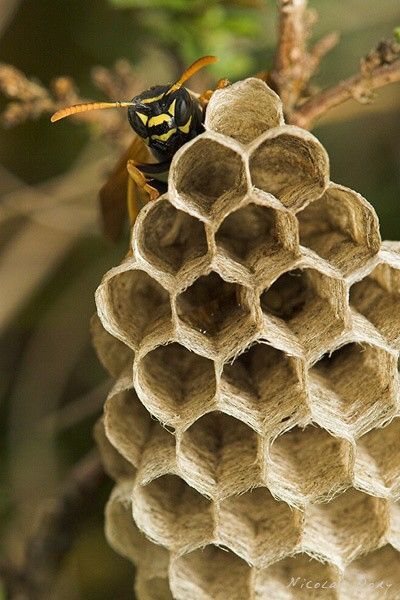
(53, 255)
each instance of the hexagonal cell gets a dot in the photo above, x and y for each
(113, 354)
(354, 388)
(265, 387)
(171, 239)
(377, 297)
(377, 468)
(213, 307)
(348, 526)
(115, 465)
(138, 305)
(127, 423)
(342, 227)
(258, 528)
(176, 385)
(256, 235)
(218, 456)
(297, 578)
(291, 164)
(172, 514)
(210, 574)
(374, 576)
(311, 304)
(309, 465)
(244, 110)
(209, 176)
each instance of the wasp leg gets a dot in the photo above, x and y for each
(205, 96)
(140, 179)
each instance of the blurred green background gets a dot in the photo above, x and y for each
(53, 254)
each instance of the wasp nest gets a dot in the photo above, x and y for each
(254, 428)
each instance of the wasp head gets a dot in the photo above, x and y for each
(165, 118)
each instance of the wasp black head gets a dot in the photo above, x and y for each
(165, 118)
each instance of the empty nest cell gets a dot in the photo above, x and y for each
(341, 227)
(113, 354)
(374, 576)
(137, 305)
(218, 456)
(377, 297)
(127, 424)
(297, 578)
(377, 469)
(343, 529)
(244, 110)
(177, 385)
(210, 574)
(291, 164)
(309, 465)
(173, 514)
(354, 388)
(212, 306)
(257, 236)
(170, 238)
(258, 528)
(310, 303)
(209, 177)
(265, 388)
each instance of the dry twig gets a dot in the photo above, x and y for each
(294, 65)
(379, 68)
(30, 99)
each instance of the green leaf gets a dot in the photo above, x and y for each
(396, 33)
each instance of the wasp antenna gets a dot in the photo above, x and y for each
(196, 66)
(79, 108)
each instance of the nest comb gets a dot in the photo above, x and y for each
(254, 334)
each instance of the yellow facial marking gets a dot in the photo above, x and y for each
(142, 117)
(158, 119)
(171, 108)
(165, 136)
(149, 100)
(185, 128)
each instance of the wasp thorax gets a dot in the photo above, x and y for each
(165, 118)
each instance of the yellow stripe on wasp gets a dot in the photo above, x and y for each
(179, 112)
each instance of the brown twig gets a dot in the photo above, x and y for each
(57, 529)
(294, 64)
(291, 47)
(358, 87)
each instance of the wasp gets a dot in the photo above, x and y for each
(164, 118)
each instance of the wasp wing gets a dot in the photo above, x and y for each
(113, 194)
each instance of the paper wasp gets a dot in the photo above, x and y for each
(164, 118)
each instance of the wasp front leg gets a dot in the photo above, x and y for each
(137, 177)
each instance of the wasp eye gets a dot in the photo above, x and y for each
(138, 121)
(183, 108)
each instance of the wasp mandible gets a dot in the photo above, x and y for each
(164, 117)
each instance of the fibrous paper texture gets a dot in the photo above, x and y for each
(254, 334)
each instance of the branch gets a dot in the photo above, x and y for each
(294, 64)
(56, 532)
(358, 87)
(291, 47)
